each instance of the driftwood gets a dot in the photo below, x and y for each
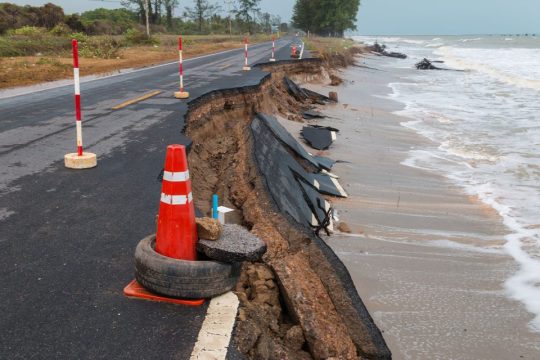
(379, 49)
(428, 65)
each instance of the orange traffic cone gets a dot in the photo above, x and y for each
(176, 235)
(176, 230)
(293, 54)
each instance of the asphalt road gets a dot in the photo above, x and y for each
(67, 237)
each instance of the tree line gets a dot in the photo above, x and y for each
(204, 17)
(326, 17)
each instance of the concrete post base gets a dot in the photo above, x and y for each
(85, 161)
(246, 68)
(181, 94)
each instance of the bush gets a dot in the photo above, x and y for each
(79, 36)
(60, 30)
(32, 31)
(103, 27)
(103, 47)
(74, 22)
(136, 37)
(109, 21)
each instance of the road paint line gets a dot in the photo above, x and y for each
(215, 334)
(225, 66)
(136, 100)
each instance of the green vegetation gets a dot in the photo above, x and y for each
(35, 41)
(109, 22)
(326, 17)
(205, 17)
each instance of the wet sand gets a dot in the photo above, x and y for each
(426, 258)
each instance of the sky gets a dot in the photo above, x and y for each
(282, 8)
(396, 17)
(448, 17)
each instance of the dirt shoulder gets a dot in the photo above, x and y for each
(30, 70)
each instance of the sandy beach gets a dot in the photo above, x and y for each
(426, 258)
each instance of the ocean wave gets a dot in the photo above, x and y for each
(472, 152)
(504, 67)
(523, 285)
(466, 247)
(435, 45)
(483, 125)
(469, 40)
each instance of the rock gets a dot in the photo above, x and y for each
(309, 303)
(247, 335)
(344, 227)
(236, 244)
(269, 348)
(333, 95)
(335, 80)
(208, 229)
(295, 337)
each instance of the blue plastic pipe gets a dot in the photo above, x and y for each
(215, 206)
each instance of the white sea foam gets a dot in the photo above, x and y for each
(466, 247)
(517, 67)
(485, 128)
(468, 40)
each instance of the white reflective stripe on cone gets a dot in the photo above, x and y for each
(176, 199)
(176, 176)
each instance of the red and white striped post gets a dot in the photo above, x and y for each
(181, 94)
(80, 159)
(77, 83)
(273, 58)
(246, 66)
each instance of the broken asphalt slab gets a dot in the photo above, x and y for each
(319, 138)
(312, 114)
(235, 244)
(283, 172)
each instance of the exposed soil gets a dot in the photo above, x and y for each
(293, 304)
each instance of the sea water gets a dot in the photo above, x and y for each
(484, 122)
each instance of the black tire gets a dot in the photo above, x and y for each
(181, 278)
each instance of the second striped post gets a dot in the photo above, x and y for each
(246, 66)
(182, 94)
(273, 58)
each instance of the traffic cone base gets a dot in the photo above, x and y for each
(85, 161)
(181, 94)
(272, 60)
(136, 291)
(246, 68)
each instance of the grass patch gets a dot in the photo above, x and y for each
(21, 45)
(335, 52)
